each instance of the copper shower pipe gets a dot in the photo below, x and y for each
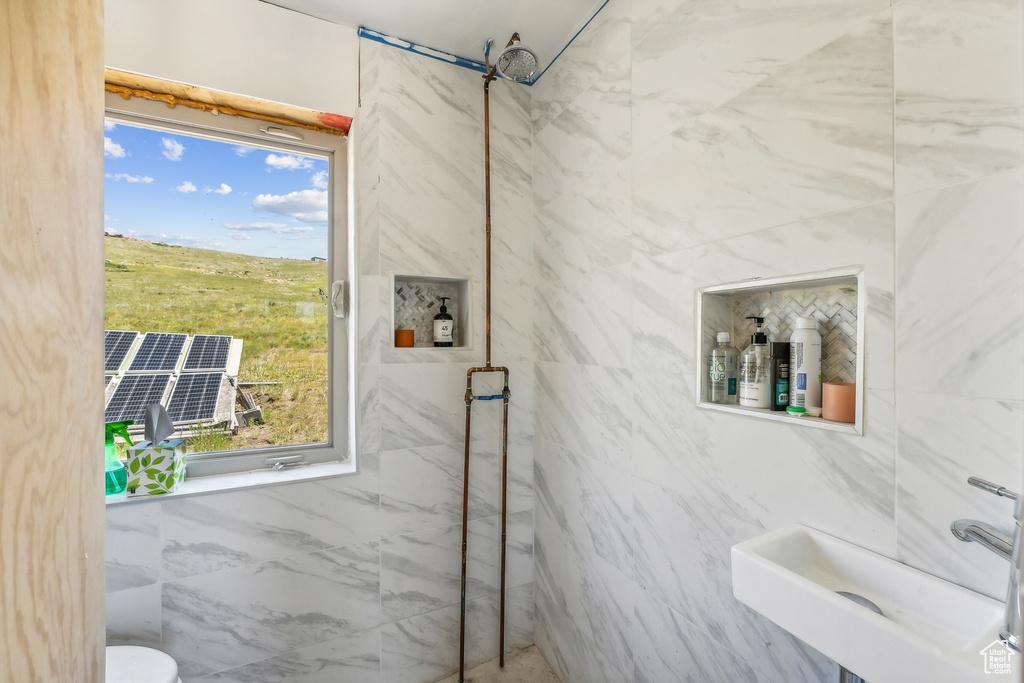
(505, 396)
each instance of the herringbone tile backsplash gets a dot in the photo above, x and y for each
(835, 309)
(416, 304)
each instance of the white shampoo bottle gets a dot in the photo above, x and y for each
(805, 366)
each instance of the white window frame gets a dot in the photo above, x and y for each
(341, 339)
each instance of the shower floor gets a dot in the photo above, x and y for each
(522, 666)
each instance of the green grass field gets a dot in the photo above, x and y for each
(274, 305)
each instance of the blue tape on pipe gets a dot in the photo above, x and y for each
(493, 397)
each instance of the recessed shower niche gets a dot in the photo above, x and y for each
(836, 299)
(416, 299)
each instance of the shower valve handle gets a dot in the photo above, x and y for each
(996, 489)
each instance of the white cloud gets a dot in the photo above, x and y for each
(240, 236)
(109, 126)
(319, 180)
(259, 225)
(223, 189)
(308, 206)
(185, 187)
(173, 149)
(288, 162)
(112, 149)
(128, 178)
(276, 228)
(106, 217)
(242, 151)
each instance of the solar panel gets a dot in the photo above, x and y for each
(132, 395)
(195, 396)
(116, 344)
(106, 380)
(159, 351)
(208, 352)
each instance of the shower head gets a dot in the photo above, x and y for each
(516, 62)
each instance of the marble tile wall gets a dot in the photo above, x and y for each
(684, 144)
(357, 578)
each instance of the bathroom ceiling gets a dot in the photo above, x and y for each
(460, 27)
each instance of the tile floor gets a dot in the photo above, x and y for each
(522, 666)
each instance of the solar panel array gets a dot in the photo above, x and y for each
(132, 395)
(207, 352)
(195, 396)
(106, 380)
(159, 351)
(116, 344)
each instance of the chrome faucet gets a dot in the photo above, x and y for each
(1008, 549)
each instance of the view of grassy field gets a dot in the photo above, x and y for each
(274, 305)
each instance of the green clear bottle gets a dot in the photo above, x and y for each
(723, 367)
(114, 473)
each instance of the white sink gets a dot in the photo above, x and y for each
(930, 629)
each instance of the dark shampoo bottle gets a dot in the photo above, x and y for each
(778, 375)
(444, 326)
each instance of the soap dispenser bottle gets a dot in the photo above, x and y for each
(755, 366)
(444, 326)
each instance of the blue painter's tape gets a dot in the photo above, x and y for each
(384, 38)
(492, 397)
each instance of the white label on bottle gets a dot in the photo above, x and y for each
(443, 330)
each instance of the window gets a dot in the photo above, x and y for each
(227, 253)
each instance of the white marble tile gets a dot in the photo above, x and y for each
(670, 648)
(132, 548)
(421, 648)
(815, 138)
(692, 57)
(512, 324)
(373, 319)
(591, 502)
(211, 622)
(960, 273)
(586, 319)
(771, 474)
(586, 409)
(943, 440)
(591, 133)
(420, 87)
(512, 262)
(431, 198)
(133, 616)
(584, 62)
(584, 610)
(585, 224)
(958, 90)
(423, 404)
(484, 553)
(369, 409)
(482, 625)
(204, 534)
(420, 572)
(682, 558)
(421, 488)
(510, 108)
(353, 658)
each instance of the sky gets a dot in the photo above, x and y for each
(173, 188)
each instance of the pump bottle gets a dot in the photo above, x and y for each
(755, 366)
(443, 326)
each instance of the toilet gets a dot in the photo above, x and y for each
(130, 664)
